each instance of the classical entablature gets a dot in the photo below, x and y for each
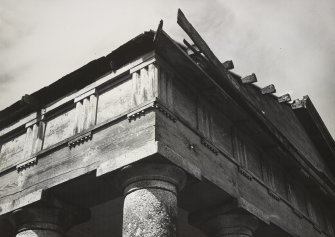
(154, 121)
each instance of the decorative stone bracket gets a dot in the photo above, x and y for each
(137, 113)
(273, 194)
(245, 172)
(81, 139)
(317, 227)
(209, 146)
(297, 212)
(26, 164)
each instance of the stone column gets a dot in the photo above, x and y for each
(230, 224)
(150, 199)
(47, 220)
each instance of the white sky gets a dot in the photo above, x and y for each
(290, 43)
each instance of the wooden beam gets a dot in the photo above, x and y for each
(194, 50)
(297, 104)
(159, 28)
(199, 58)
(284, 98)
(268, 89)
(249, 79)
(228, 65)
(204, 48)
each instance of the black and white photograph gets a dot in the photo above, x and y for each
(181, 118)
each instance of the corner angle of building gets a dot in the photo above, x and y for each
(162, 139)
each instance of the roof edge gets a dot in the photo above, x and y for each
(315, 128)
(79, 78)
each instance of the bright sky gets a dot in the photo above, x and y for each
(290, 43)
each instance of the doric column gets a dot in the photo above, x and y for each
(236, 223)
(47, 220)
(150, 199)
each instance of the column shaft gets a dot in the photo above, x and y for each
(150, 203)
(150, 210)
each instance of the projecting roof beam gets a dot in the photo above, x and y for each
(214, 62)
(249, 79)
(160, 27)
(228, 65)
(268, 89)
(196, 56)
(192, 48)
(284, 98)
(297, 104)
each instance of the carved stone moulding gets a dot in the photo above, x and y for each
(245, 172)
(137, 113)
(273, 194)
(209, 146)
(26, 164)
(81, 139)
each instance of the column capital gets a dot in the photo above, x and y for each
(151, 175)
(55, 216)
(225, 221)
(150, 205)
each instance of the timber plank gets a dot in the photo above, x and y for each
(204, 48)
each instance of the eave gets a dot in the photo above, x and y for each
(316, 129)
(79, 78)
(243, 101)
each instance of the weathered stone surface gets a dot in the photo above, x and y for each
(150, 204)
(39, 222)
(150, 212)
(47, 219)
